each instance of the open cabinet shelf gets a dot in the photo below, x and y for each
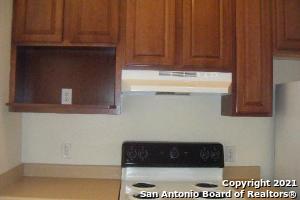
(58, 108)
(42, 72)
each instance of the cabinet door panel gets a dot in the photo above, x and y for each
(287, 26)
(253, 75)
(150, 34)
(38, 21)
(254, 57)
(208, 33)
(92, 21)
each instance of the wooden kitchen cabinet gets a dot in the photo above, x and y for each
(150, 32)
(38, 21)
(65, 44)
(41, 73)
(286, 18)
(252, 85)
(208, 33)
(92, 21)
(180, 34)
(57, 45)
(66, 22)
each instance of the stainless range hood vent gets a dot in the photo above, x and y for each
(172, 93)
(177, 74)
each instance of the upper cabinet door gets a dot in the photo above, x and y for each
(287, 27)
(38, 21)
(92, 21)
(252, 86)
(208, 33)
(150, 32)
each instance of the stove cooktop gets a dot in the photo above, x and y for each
(151, 169)
(130, 192)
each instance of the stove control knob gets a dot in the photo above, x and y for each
(215, 154)
(204, 154)
(174, 153)
(132, 154)
(143, 154)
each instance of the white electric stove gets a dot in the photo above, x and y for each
(155, 170)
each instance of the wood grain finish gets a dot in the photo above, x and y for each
(208, 33)
(38, 21)
(92, 21)
(120, 54)
(41, 73)
(253, 77)
(181, 35)
(58, 108)
(286, 27)
(150, 32)
(57, 44)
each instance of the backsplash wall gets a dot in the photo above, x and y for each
(97, 139)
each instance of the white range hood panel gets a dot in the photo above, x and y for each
(135, 81)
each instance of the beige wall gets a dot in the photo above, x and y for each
(287, 137)
(286, 70)
(97, 139)
(10, 124)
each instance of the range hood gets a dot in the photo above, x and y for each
(175, 82)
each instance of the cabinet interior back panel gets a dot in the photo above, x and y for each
(44, 71)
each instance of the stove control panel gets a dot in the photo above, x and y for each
(174, 153)
(163, 154)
